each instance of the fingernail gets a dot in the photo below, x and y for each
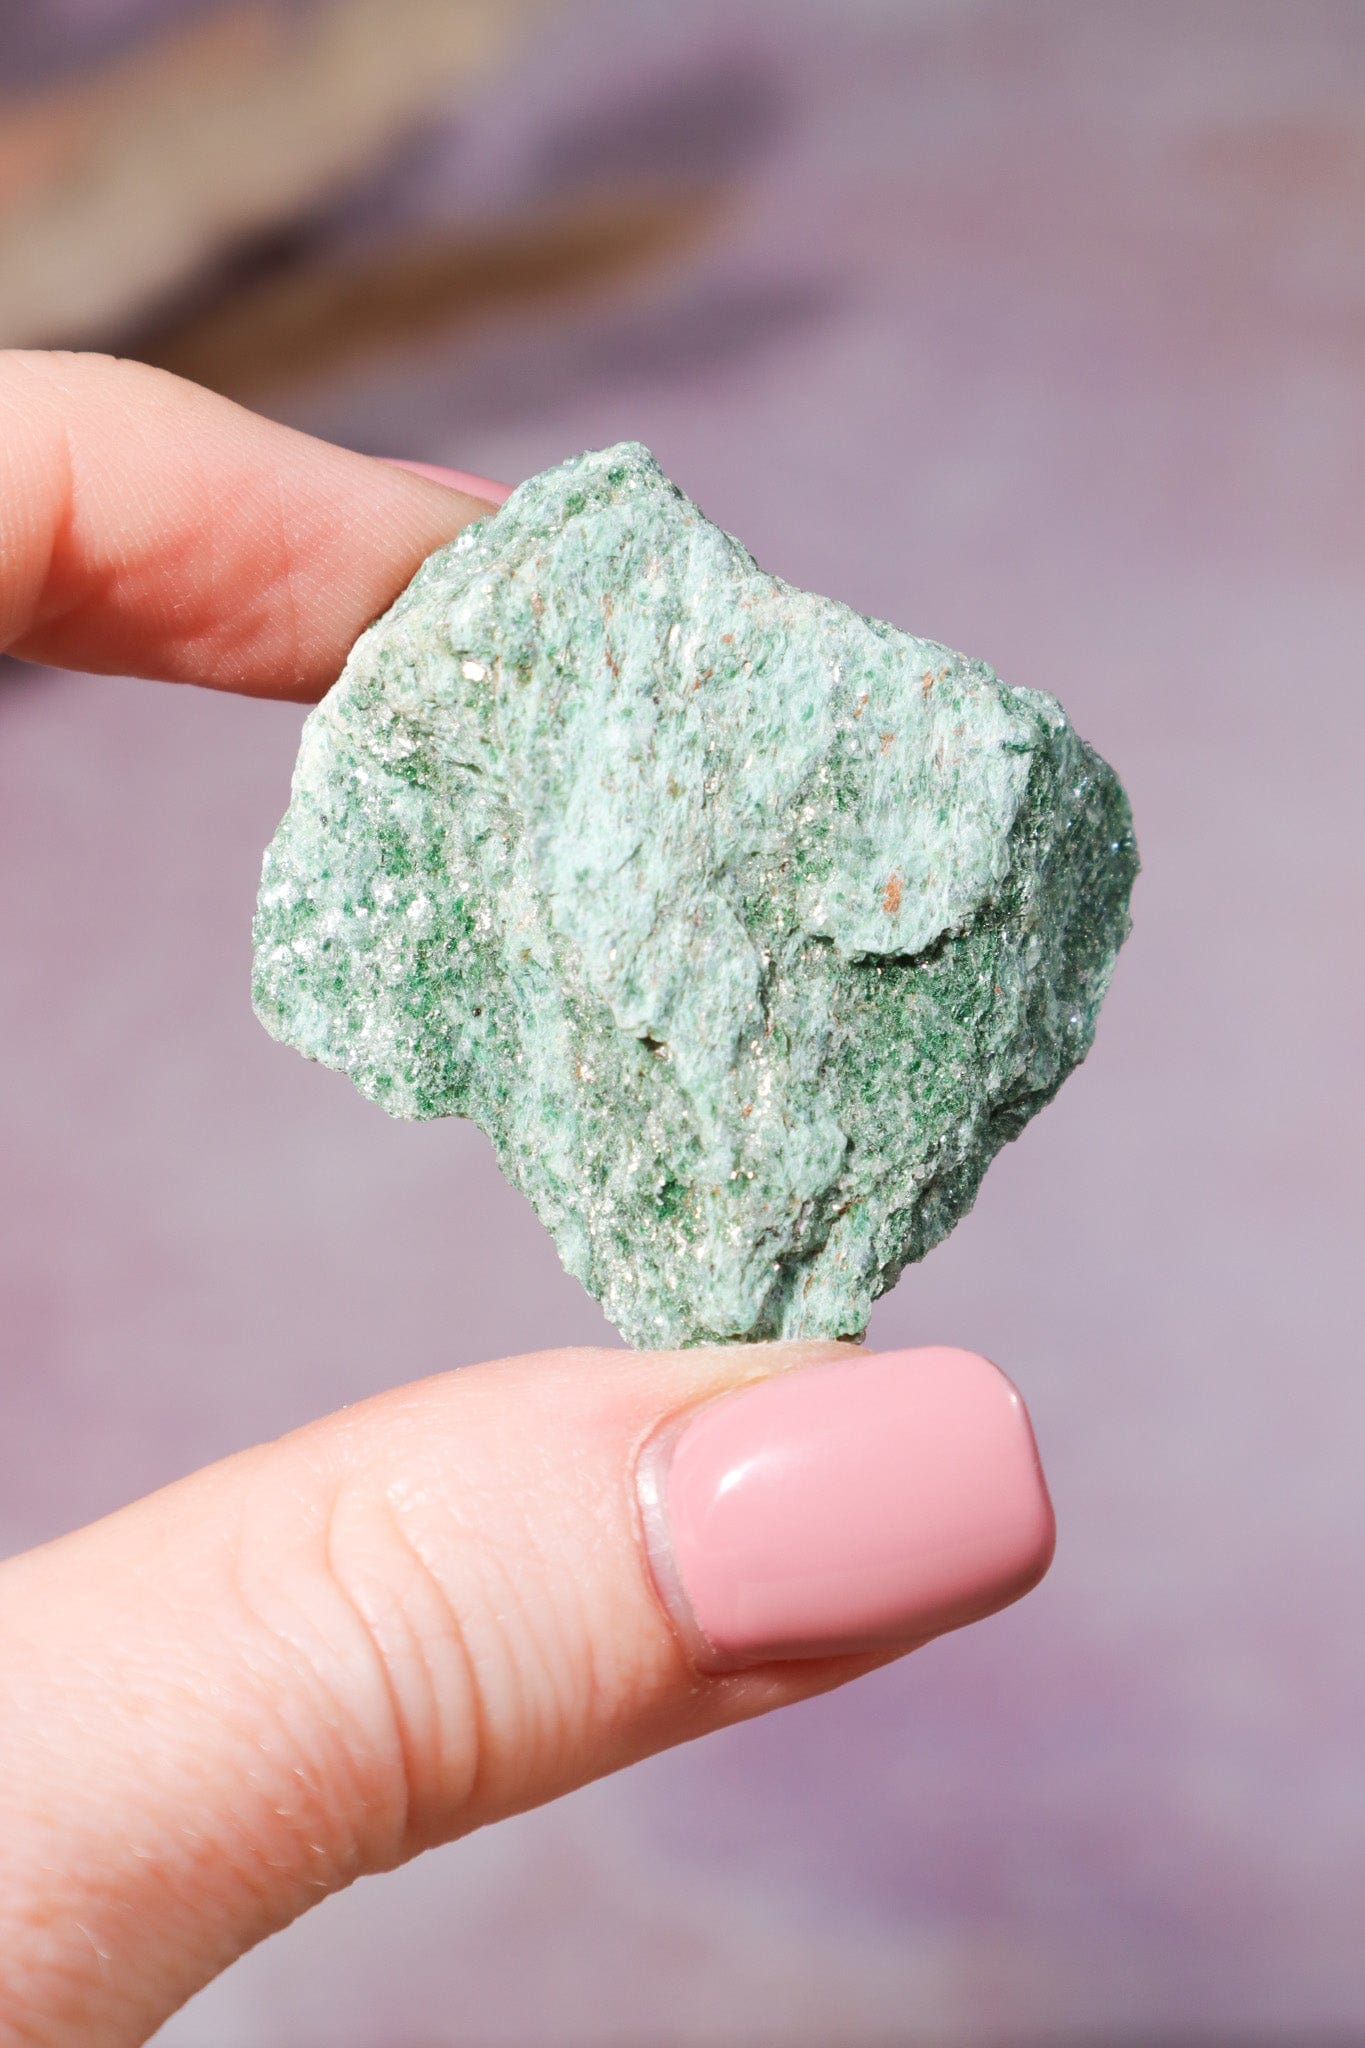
(855, 1506)
(456, 479)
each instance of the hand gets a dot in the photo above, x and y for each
(464, 1597)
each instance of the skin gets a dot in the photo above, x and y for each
(324, 1655)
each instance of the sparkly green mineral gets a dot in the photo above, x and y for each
(748, 928)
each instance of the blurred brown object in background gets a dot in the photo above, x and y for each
(119, 190)
(322, 311)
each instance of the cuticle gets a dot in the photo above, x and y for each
(649, 1474)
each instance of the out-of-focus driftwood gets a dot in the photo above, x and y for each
(119, 190)
(322, 313)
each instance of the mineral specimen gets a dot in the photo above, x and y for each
(748, 928)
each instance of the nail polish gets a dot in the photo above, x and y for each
(456, 479)
(847, 1507)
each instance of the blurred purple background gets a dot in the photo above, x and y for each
(1038, 328)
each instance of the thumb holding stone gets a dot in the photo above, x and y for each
(451, 1603)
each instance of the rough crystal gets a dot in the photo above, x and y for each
(748, 928)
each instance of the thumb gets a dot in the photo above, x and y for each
(451, 1603)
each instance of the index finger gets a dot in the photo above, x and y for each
(151, 528)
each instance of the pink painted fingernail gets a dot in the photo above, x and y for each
(861, 1505)
(457, 480)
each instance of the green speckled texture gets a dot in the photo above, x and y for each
(748, 928)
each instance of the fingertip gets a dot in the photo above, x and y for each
(861, 1505)
(152, 528)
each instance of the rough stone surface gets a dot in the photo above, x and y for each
(748, 928)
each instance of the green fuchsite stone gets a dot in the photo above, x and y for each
(748, 928)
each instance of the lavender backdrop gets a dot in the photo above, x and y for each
(1041, 329)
